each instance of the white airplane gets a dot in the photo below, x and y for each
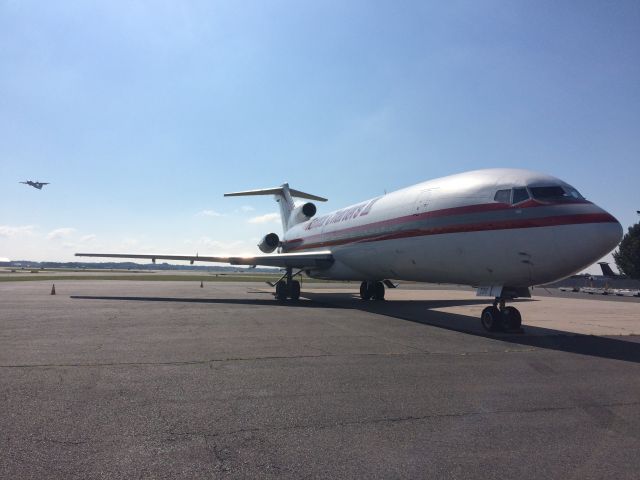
(500, 230)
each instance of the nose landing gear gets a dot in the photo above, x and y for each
(372, 290)
(499, 317)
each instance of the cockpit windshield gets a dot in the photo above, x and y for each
(551, 193)
(555, 193)
(512, 196)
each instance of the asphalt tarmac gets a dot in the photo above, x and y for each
(123, 379)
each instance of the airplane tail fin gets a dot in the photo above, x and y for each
(606, 270)
(284, 196)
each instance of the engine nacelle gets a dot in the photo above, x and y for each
(302, 213)
(269, 243)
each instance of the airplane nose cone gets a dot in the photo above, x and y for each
(609, 235)
(580, 245)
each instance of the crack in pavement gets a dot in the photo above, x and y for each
(375, 421)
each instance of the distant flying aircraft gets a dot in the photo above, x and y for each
(500, 230)
(37, 185)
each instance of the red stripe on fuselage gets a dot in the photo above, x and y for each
(548, 221)
(445, 212)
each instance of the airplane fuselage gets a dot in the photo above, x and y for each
(37, 185)
(502, 230)
(486, 227)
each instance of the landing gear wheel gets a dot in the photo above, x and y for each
(511, 318)
(295, 290)
(281, 291)
(491, 319)
(365, 292)
(378, 290)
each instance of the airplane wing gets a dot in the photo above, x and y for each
(320, 259)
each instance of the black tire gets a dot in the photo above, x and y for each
(281, 291)
(491, 319)
(512, 319)
(365, 292)
(295, 290)
(378, 290)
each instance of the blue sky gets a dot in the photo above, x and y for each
(141, 114)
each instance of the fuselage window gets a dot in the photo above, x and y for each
(503, 196)
(520, 195)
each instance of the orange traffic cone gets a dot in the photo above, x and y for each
(53, 289)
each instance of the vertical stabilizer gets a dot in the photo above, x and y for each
(606, 270)
(284, 196)
(286, 204)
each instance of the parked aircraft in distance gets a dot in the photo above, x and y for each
(608, 273)
(37, 185)
(500, 230)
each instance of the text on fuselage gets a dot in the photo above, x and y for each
(359, 210)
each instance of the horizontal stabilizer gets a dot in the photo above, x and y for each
(276, 191)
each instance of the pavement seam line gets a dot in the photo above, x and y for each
(252, 359)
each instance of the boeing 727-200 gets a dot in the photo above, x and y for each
(500, 230)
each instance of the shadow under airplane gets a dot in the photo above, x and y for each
(226, 301)
(426, 312)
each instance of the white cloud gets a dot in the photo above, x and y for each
(267, 218)
(209, 246)
(247, 208)
(209, 213)
(88, 238)
(220, 245)
(60, 233)
(130, 242)
(8, 231)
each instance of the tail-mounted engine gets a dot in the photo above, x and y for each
(269, 243)
(302, 213)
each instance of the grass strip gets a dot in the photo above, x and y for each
(153, 278)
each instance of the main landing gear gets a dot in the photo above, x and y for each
(499, 317)
(287, 287)
(372, 290)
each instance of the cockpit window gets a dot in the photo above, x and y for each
(520, 195)
(503, 196)
(573, 193)
(555, 193)
(512, 196)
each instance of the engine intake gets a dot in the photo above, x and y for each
(302, 213)
(269, 243)
(308, 209)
